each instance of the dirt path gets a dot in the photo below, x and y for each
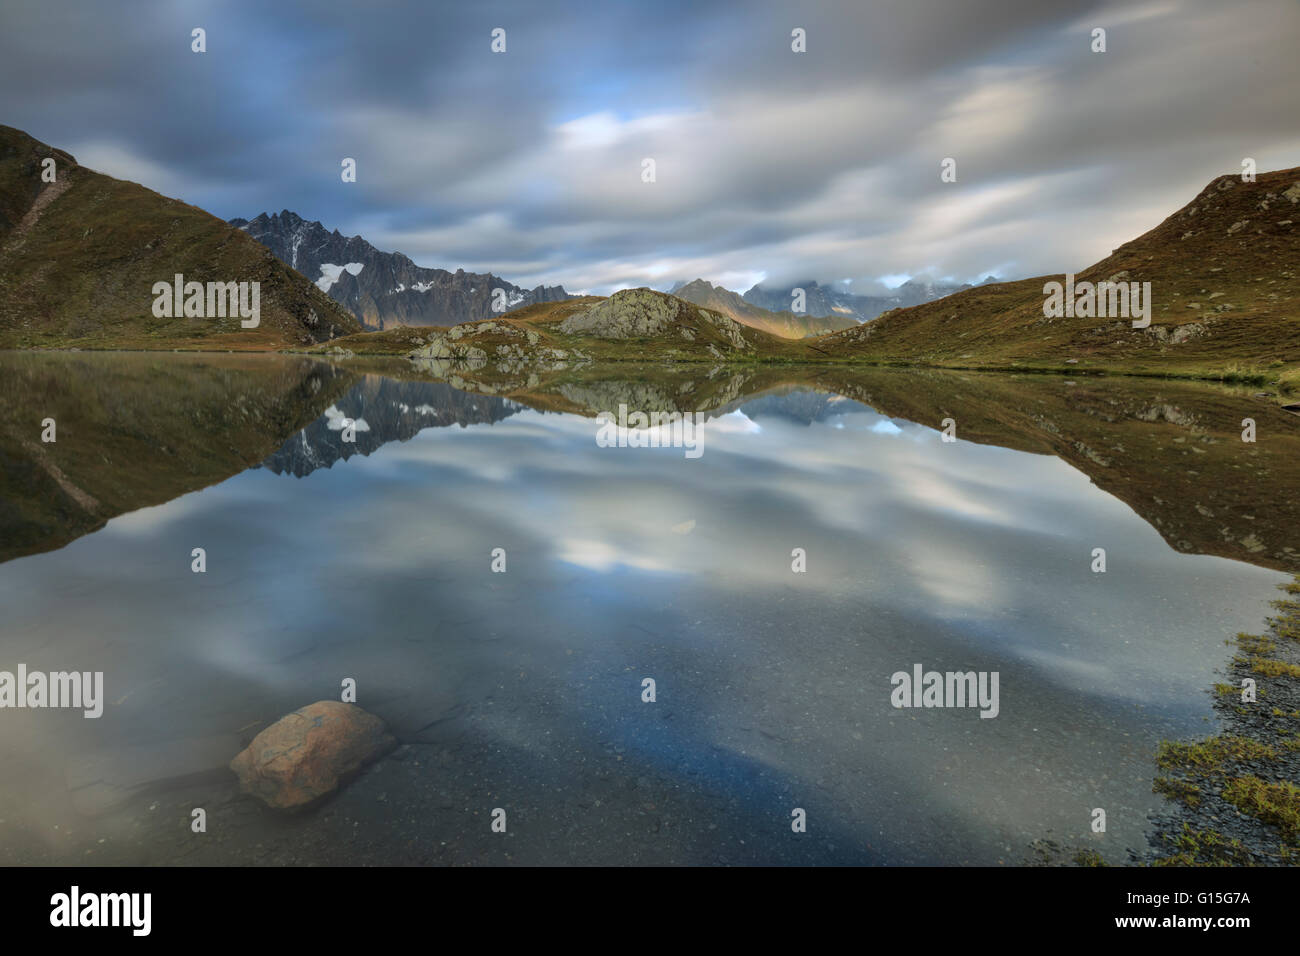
(15, 240)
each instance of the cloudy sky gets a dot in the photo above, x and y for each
(771, 165)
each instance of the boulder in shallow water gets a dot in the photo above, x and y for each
(305, 755)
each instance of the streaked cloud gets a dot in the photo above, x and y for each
(770, 165)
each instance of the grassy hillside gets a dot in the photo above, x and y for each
(1225, 288)
(79, 257)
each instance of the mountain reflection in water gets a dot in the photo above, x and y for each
(523, 689)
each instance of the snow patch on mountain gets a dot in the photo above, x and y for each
(329, 273)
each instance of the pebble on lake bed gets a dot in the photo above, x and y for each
(304, 755)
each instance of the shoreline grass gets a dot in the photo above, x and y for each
(1242, 778)
(1285, 381)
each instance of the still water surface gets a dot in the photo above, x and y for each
(523, 689)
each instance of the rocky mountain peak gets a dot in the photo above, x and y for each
(384, 289)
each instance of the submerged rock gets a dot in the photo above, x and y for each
(644, 313)
(306, 754)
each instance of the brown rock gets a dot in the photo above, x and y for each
(306, 754)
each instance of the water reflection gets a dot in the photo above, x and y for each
(524, 687)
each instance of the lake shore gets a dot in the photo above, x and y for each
(1233, 799)
(1283, 384)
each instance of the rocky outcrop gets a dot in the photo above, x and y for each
(643, 314)
(491, 340)
(729, 329)
(306, 755)
(630, 314)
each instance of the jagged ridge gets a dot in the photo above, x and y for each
(385, 289)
